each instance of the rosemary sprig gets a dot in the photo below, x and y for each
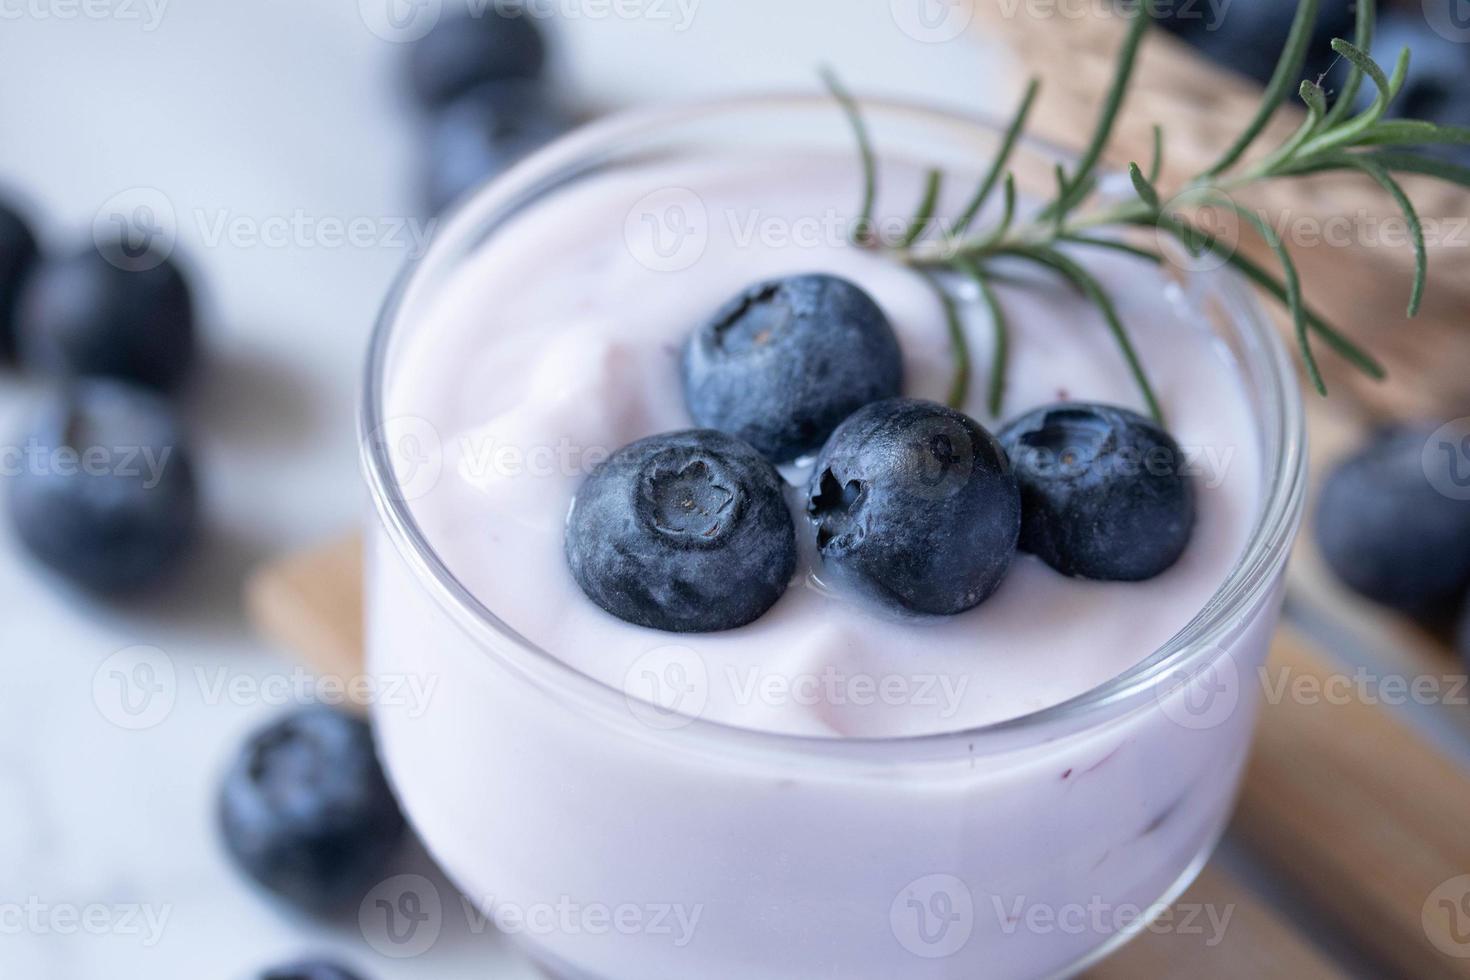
(1332, 138)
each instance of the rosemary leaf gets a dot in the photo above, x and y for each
(1293, 284)
(1349, 132)
(932, 185)
(1093, 290)
(959, 389)
(1000, 357)
(1288, 70)
(1115, 245)
(1122, 77)
(1363, 41)
(1145, 189)
(1416, 227)
(1156, 166)
(863, 231)
(1414, 132)
(1002, 156)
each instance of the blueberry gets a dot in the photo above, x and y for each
(1248, 35)
(103, 491)
(18, 256)
(784, 362)
(1104, 493)
(914, 503)
(109, 311)
(1387, 532)
(484, 132)
(1462, 633)
(309, 970)
(306, 811)
(687, 532)
(498, 42)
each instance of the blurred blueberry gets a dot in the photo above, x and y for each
(482, 133)
(1248, 35)
(499, 41)
(306, 811)
(18, 256)
(310, 970)
(104, 492)
(106, 311)
(1387, 532)
(1462, 633)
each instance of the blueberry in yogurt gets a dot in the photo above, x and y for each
(18, 256)
(495, 43)
(109, 311)
(687, 532)
(914, 502)
(1387, 531)
(784, 362)
(1104, 493)
(306, 811)
(105, 494)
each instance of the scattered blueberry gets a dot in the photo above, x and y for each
(687, 532)
(104, 491)
(496, 43)
(484, 132)
(915, 503)
(109, 311)
(1104, 494)
(783, 363)
(310, 970)
(306, 811)
(1387, 532)
(18, 256)
(1248, 35)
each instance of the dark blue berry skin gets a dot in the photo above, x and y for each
(106, 312)
(462, 52)
(482, 133)
(1385, 530)
(18, 257)
(306, 811)
(914, 503)
(783, 363)
(1104, 493)
(1247, 35)
(104, 490)
(687, 532)
(310, 970)
(1462, 633)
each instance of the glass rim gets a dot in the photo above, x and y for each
(1189, 650)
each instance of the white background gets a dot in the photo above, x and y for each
(256, 115)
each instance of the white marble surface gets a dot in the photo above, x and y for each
(243, 121)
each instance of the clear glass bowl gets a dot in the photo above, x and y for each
(1022, 849)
